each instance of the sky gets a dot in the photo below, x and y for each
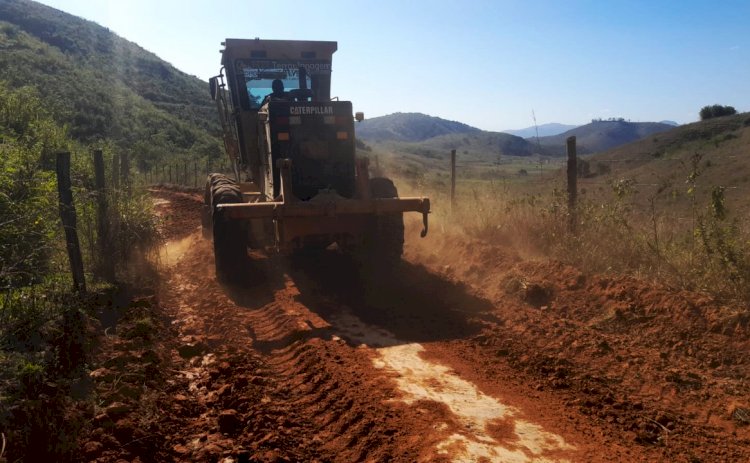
(489, 64)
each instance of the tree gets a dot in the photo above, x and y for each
(717, 110)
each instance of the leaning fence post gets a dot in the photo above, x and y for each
(572, 182)
(453, 179)
(68, 217)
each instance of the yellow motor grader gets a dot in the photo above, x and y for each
(297, 183)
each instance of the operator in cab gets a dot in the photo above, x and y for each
(278, 89)
(277, 93)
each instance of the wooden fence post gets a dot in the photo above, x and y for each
(572, 181)
(68, 217)
(453, 179)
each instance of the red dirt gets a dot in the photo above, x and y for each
(306, 362)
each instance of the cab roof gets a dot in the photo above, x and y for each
(276, 49)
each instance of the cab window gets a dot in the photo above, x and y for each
(258, 82)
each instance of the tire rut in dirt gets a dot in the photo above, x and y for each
(352, 409)
(303, 393)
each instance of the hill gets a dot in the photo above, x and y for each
(409, 127)
(714, 153)
(433, 137)
(544, 130)
(104, 87)
(602, 135)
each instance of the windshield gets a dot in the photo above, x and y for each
(259, 81)
(258, 76)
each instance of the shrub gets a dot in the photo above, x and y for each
(709, 112)
(28, 222)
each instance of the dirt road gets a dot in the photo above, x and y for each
(464, 354)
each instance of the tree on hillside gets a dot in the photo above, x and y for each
(717, 110)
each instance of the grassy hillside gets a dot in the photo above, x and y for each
(714, 153)
(103, 87)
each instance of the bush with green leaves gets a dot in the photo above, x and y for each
(33, 260)
(717, 110)
(28, 225)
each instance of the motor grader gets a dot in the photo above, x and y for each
(296, 183)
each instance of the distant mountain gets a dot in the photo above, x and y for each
(432, 137)
(429, 137)
(103, 87)
(409, 127)
(669, 123)
(603, 135)
(545, 130)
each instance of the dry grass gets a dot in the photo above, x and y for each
(614, 231)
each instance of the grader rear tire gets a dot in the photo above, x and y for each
(383, 242)
(230, 237)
